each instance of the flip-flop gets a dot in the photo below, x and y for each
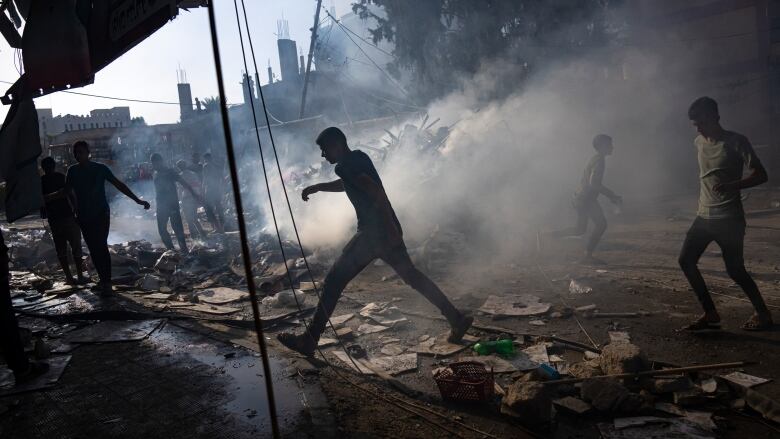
(755, 325)
(702, 325)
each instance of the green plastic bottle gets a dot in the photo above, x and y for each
(503, 347)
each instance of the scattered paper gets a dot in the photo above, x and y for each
(496, 363)
(367, 328)
(221, 295)
(517, 305)
(340, 320)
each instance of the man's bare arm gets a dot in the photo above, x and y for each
(596, 179)
(121, 187)
(758, 176)
(331, 186)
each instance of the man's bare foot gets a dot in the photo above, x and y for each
(758, 323)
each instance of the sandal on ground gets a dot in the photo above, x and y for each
(702, 325)
(755, 324)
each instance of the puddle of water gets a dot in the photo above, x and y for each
(247, 394)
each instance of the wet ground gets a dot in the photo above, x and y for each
(174, 384)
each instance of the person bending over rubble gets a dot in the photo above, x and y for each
(167, 200)
(586, 199)
(378, 235)
(62, 223)
(86, 184)
(723, 155)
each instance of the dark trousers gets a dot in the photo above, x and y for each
(10, 342)
(189, 209)
(172, 213)
(729, 234)
(95, 232)
(589, 210)
(361, 250)
(66, 231)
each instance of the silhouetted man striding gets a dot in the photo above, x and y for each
(378, 235)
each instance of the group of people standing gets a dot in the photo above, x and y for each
(76, 206)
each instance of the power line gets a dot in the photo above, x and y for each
(142, 101)
(245, 254)
(335, 20)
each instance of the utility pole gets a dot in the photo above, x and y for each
(311, 54)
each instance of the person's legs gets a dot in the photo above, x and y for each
(178, 228)
(95, 234)
(579, 229)
(398, 258)
(730, 236)
(59, 233)
(74, 239)
(162, 226)
(357, 254)
(10, 342)
(696, 241)
(190, 213)
(596, 214)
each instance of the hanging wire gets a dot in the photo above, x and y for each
(250, 281)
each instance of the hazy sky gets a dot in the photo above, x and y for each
(148, 71)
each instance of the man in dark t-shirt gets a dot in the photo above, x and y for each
(378, 235)
(86, 184)
(62, 222)
(167, 200)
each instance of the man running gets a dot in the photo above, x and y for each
(723, 155)
(62, 223)
(586, 199)
(378, 235)
(167, 201)
(86, 183)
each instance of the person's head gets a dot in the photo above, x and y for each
(333, 144)
(181, 165)
(81, 151)
(602, 143)
(207, 157)
(157, 161)
(704, 114)
(48, 164)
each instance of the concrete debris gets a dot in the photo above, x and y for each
(538, 353)
(672, 428)
(367, 328)
(383, 313)
(159, 296)
(573, 405)
(709, 385)
(609, 396)
(671, 384)
(149, 282)
(537, 323)
(440, 346)
(669, 408)
(340, 320)
(325, 342)
(345, 333)
(768, 407)
(744, 380)
(688, 398)
(514, 306)
(531, 402)
(222, 295)
(392, 349)
(617, 358)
